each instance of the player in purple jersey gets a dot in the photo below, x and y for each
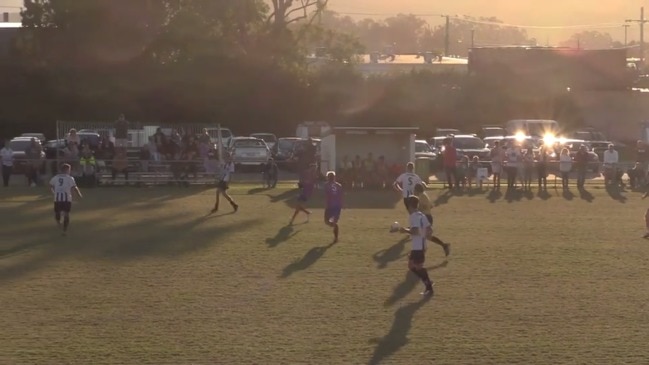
(334, 198)
(307, 185)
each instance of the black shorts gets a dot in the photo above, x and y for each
(417, 257)
(222, 185)
(62, 207)
(430, 219)
(405, 203)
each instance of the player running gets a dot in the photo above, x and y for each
(427, 208)
(306, 185)
(61, 186)
(334, 198)
(223, 185)
(419, 230)
(406, 182)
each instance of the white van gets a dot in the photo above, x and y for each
(532, 127)
(226, 135)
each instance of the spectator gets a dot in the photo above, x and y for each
(642, 155)
(497, 158)
(120, 164)
(345, 171)
(160, 140)
(581, 162)
(7, 156)
(636, 176)
(88, 166)
(474, 165)
(449, 157)
(528, 168)
(357, 166)
(34, 157)
(205, 137)
(462, 172)
(73, 139)
(565, 165)
(106, 149)
(382, 173)
(271, 173)
(513, 157)
(369, 170)
(310, 152)
(542, 167)
(611, 159)
(121, 131)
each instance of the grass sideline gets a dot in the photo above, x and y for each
(146, 277)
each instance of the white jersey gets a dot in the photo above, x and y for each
(418, 220)
(408, 181)
(63, 185)
(226, 171)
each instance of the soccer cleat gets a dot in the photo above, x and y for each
(214, 210)
(428, 291)
(646, 235)
(447, 249)
(235, 207)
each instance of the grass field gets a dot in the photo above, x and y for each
(146, 277)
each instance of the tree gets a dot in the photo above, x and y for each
(589, 39)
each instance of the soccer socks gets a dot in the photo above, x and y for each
(336, 231)
(417, 272)
(66, 223)
(437, 240)
(57, 216)
(423, 274)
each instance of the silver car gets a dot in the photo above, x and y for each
(248, 151)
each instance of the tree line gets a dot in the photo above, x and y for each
(241, 63)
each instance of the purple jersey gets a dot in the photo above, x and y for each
(334, 194)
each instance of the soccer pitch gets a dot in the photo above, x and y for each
(145, 276)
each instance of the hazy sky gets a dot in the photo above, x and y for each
(520, 12)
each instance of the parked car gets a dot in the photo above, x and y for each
(492, 131)
(93, 139)
(283, 150)
(300, 146)
(597, 140)
(573, 146)
(470, 145)
(19, 145)
(249, 152)
(444, 132)
(38, 136)
(269, 138)
(226, 135)
(423, 150)
(54, 148)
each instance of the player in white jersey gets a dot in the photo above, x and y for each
(419, 231)
(406, 182)
(223, 185)
(62, 186)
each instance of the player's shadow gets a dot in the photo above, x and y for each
(397, 337)
(514, 195)
(390, 254)
(586, 195)
(494, 195)
(258, 190)
(408, 284)
(615, 193)
(568, 195)
(543, 194)
(284, 234)
(444, 197)
(287, 194)
(305, 262)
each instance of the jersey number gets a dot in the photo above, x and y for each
(60, 181)
(410, 181)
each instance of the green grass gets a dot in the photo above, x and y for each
(145, 277)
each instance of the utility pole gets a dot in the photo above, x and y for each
(447, 35)
(473, 38)
(626, 33)
(642, 22)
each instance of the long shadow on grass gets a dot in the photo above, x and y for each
(284, 234)
(494, 195)
(132, 241)
(394, 340)
(568, 195)
(359, 199)
(444, 198)
(513, 195)
(309, 259)
(616, 193)
(585, 195)
(408, 284)
(391, 254)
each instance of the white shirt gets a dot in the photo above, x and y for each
(513, 157)
(611, 157)
(565, 163)
(418, 220)
(226, 171)
(408, 181)
(7, 155)
(63, 185)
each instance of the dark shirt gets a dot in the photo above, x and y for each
(581, 158)
(642, 155)
(121, 129)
